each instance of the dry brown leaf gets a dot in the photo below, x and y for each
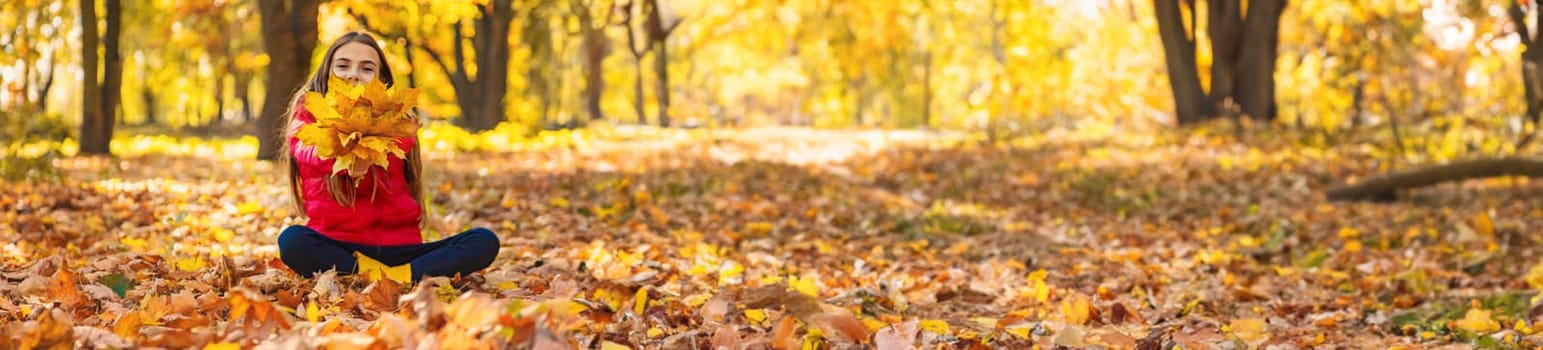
(382, 296)
(546, 339)
(257, 314)
(63, 289)
(6, 306)
(395, 332)
(472, 312)
(897, 336)
(326, 286)
(53, 328)
(725, 336)
(423, 306)
(1118, 340)
(99, 292)
(841, 324)
(1119, 314)
(173, 338)
(783, 335)
(93, 337)
(717, 308)
(183, 303)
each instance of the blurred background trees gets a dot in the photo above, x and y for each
(1448, 78)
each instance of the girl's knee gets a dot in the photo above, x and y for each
(293, 237)
(485, 243)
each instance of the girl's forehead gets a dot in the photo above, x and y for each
(355, 52)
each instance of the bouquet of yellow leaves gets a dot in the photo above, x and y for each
(359, 125)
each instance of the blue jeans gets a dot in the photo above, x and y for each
(309, 252)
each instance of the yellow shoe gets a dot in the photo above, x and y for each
(375, 270)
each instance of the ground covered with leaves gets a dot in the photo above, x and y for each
(788, 238)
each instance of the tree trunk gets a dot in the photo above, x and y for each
(99, 101)
(596, 48)
(658, 35)
(93, 128)
(112, 69)
(1532, 61)
(219, 99)
(861, 95)
(1225, 28)
(243, 92)
(1179, 52)
(637, 91)
(289, 36)
(48, 84)
(493, 62)
(1261, 37)
(662, 82)
(1243, 52)
(637, 62)
(481, 98)
(148, 97)
(1384, 187)
(927, 90)
(536, 35)
(407, 53)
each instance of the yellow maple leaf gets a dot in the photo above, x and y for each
(1248, 329)
(1478, 321)
(1041, 290)
(1483, 225)
(222, 346)
(190, 264)
(640, 301)
(359, 125)
(312, 314)
(375, 270)
(756, 316)
(935, 326)
(1077, 310)
(804, 285)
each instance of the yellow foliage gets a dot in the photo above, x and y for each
(1248, 329)
(935, 326)
(359, 125)
(1478, 321)
(375, 270)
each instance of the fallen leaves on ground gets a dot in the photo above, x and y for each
(796, 239)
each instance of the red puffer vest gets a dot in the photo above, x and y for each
(383, 213)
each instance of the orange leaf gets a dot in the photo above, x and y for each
(53, 329)
(128, 324)
(62, 288)
(840, 323)
(782, 335)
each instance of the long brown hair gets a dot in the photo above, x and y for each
(339, 186)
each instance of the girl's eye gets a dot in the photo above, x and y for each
(369, 70)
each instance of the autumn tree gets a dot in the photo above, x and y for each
(38, 46)
(1243, 52)
(99, 99)
(542, 52)
(289, 36)
(1386, 186)
(1531, 57)
(658, 25)
(480, 95)
(638, 48)
(596, 47)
